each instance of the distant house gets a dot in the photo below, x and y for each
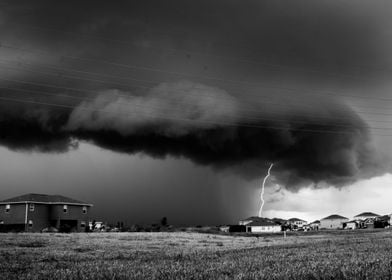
(366, 215)
(296, 223)
(262, 226)
(35, 212)
(333, 222)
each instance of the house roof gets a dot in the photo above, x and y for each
(334, 217)
(367, 214)
(296, 220)
(262, 223)
(43, 199)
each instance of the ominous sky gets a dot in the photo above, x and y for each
(176, 108)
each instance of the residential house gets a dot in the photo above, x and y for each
(35, 212)
(296, 223)
(333, 222)
(262, 227)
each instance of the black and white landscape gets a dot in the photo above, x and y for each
(240, 132)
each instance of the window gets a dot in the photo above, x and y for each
(84, 210)
(31, 207)
(7, 208)
(30, 223)
(65, 208)
(82, 224)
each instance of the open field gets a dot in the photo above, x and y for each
(185, 255)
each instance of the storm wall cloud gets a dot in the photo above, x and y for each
(207, 126)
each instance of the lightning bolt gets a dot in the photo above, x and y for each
(262, 189)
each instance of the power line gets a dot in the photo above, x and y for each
(149, 107)
(127, 96)
(198, 53)
(154, 82)
(186, 120)
(217, 79)
(254, 118)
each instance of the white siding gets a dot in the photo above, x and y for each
(265, 228)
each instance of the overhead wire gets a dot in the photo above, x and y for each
(268, 101)
(203, 77)
(244, 110)
(198, 53)
(19, 64)
(119, 114)
(149, 107)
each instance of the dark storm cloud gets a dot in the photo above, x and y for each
(207, 122)
(206, 125)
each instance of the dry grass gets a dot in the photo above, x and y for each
(185, 255)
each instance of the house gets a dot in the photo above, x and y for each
(366, 215)
(333, 222)
(260, 224)
(296, 223)
(262, 227)
(35, 212)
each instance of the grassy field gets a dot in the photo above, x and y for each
(185, 255)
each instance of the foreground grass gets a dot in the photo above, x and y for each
(326, 255)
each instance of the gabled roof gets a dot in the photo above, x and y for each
(367, 214)
(334, 217)
(262, 223)
(43, 199)
(295, 220)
